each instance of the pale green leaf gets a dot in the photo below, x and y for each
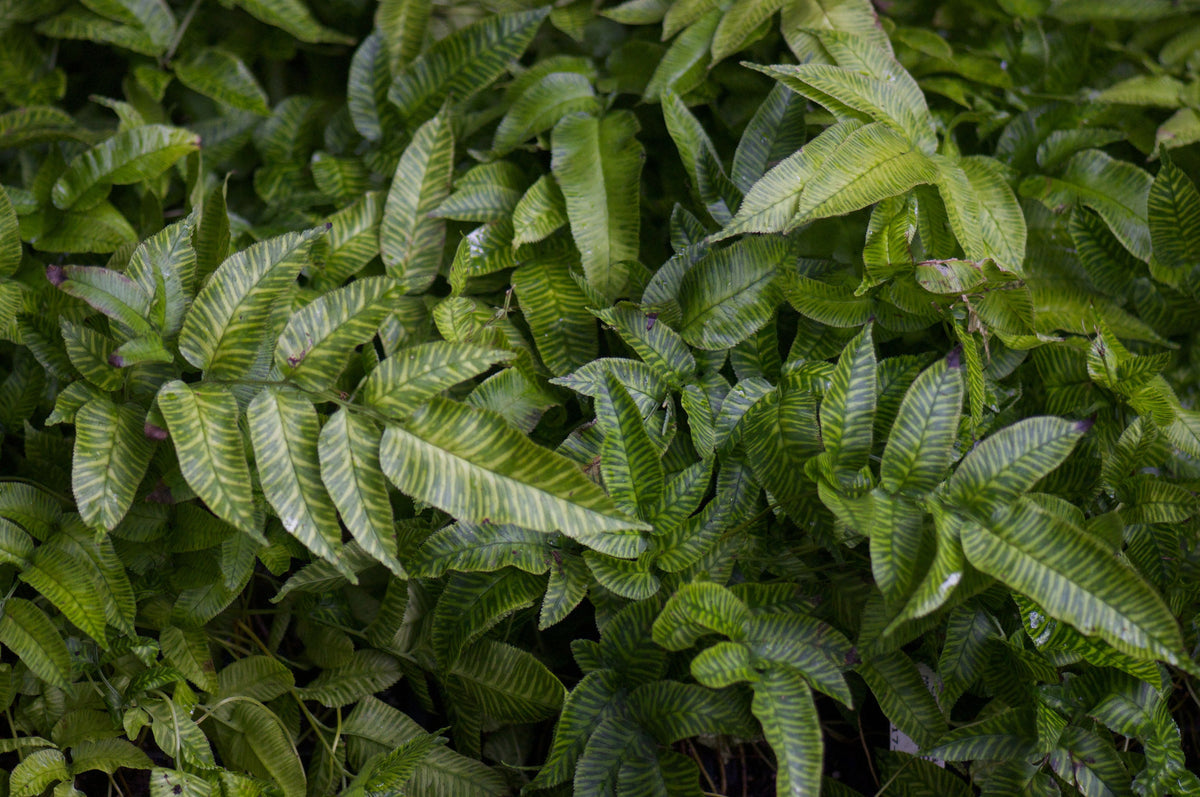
(136, 154)
(283, 429)
(406, 380)
(598, 164)
(476, 467)
(221, 330)
(293, 17)
(224, 77)
(409, 239)
(920, 441)
(111, 455)
(541, 105)
(203, 424)
(554, 306)
(848, 409)
(733, 292)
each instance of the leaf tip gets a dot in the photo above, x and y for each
(56, 274)
(116, 360)
(1083, 426)
(954, 358)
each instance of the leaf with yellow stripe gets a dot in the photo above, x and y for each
(313, 348)
(411, 376)
(111, 455)
(283, 429)
(1076, 578)
(919, 444)
(28, 632)
(348, 449)
(203, 423)
(472, 464)
(221, 330)
(410, 240)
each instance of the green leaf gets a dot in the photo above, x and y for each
(293, 17)
(115, 294)
(203, 424)
(540, 211)
(733, 292)
(1173, 207)
(164, 266)
(904, 697)
(313, 348)
(805, 23)
(553, 305)
(775, 132)
(267, 746)
(507, 683)
(868, 85)
(37, 772)
(541, 105)
(10, 236)
(410, 377)
(771, 202)
(983, 211)
(221, 75)
(130, 156)
(724, 664)
(1075, 578)
(476, 467)
(348, 450)
(368, 672)
(402, 25)
(657, 344)
(107, 756)
(111, 455)
(28, 632)
(464, 63)
(221, 330)
(739, 24)
(410, 240)
(594, 700)
(1011, 460)
(388, 774)
(471, 547)
(783, 703)
(698, 609)
(848, 409)
(629, 462)
(260, 678)
(64, 579)
(681, 68)
(598, 164)
(671, 711)
(353, 237)
(1115, 189)
(919, 444)
(283, 428)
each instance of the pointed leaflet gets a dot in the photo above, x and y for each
(775, 132)
(295, 18)
(920, 441)
(541, 105)
(733, 292)
(473, 465)
(116, 295)
(848, 409)
(540, 211)
(130, 156)
(904, 697)
(283, 429)
(697, 609)
(313, 348)
(110, 459)
(598, 165)
(1115, 189)
(632, 470)
(1011, 460)
(594, 699)
(10, 236)
(348, 449)
(681, 67)
(464, 63)
(783, 703)
(739, 24)
(404, 381)
(402, 25)
(771, 202)
(203, 424)
(870, 85)
(873, 163)
(804, 24)
(27, 631)
(1075, 578)
(164, 266)
(224, 77)
(409, 240)
(507, 683)
(983, 211)
(555, 308)
(221, 330)
(1174, 214)
(657, 344)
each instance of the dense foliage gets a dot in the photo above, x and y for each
(649, 399)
